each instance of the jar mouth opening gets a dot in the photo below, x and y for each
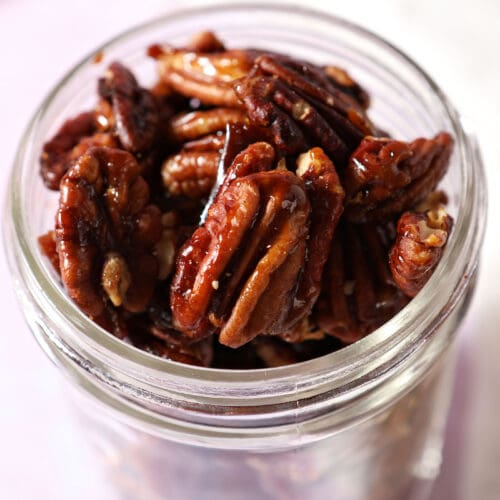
(404, 331)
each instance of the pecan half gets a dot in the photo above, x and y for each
(418, 248)
(54, 160)
(130, 109)
(196, 124)
(190, 173)
(302, 108)
(385, 177)
(326, 197)
(358, 293)
(207, 77)
(105, 232)
(237, 273)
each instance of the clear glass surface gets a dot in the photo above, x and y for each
(365, 422)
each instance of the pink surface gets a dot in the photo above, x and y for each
(41, 455)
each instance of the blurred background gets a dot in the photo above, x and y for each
(457, 42)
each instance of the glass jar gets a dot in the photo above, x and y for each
(365, 422)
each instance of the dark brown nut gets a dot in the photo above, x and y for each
(386, 177)
(327, 198)
(105, 232)
(358, 293)
(299, 103)
(207, 77)
(54, 158)
(341, 79)
(301, 108)
(418, 248)
(190, 173)
(47, 244)
(194, 125)
(134, 110)
(314, 84)
(237, 272)
(270, 103)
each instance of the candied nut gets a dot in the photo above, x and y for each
(207, 77)
(358, 293)
(302, 109)
(385, 177)
(54, 158)
(252, 244)
(190, 173)
(196, 124)
(326, 197)
(418, 248)
(312, 82)
(116, 278)
(103, 208)
(134, 111)
(301, 106)
(193, 171)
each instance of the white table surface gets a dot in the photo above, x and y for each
(457, 41)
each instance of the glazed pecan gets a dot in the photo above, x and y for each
(205, 76)
(326, 197)
(54, 160)
(128, 108)
(385, 177)
(418, 248)
(358, 293)
(190, 173)
(302, 108)
(319, 85)
(196, 124)
(237, 272)
(105, 232)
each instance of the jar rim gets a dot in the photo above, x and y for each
(400, 336)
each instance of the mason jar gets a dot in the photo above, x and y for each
(363, 423)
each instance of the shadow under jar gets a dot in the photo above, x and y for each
(365, 422)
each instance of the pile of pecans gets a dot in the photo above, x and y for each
(242, 213)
